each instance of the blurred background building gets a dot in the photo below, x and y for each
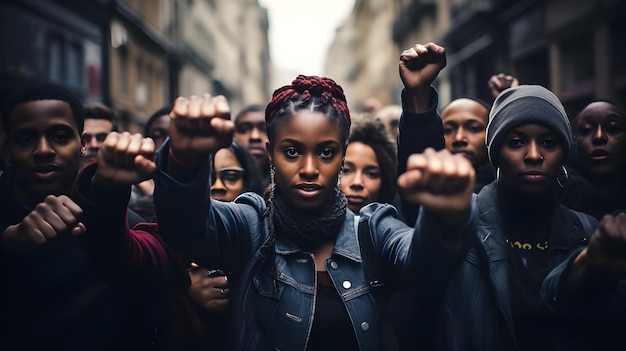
(138, 55)
(576, 48)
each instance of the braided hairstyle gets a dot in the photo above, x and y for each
(308, 93)
(305, 93)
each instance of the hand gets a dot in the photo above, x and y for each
(209, 288)
(499, 82)
(56, 215)
(199, 127)
(421, 64)
(125, 159)
(441, 182)
(607, 248)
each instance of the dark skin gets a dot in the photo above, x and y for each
(500, 82)
(604, 256)
(123, 159)
(43, 145)
(419, 66)
(600, 133)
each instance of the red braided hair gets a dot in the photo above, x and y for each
(314, 93)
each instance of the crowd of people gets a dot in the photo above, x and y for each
(298, 225)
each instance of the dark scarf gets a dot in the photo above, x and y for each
(307, 228)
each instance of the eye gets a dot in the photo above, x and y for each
(550, 143)
(346, 170)
(60, 137)
(613, 128)
(261, 127)
(243, 127)
(475, 129)
(291, 152)
(585, 130)
(231, 176)
(373, 174)
(447, 130)
(516, 143)
(327, 153)
(23, 139)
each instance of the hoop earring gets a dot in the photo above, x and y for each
(564, 183)
(498, 174)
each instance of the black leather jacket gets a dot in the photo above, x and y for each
(477, 313)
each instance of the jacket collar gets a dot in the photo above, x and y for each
(346, 244)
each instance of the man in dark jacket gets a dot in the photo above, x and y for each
(74, 276)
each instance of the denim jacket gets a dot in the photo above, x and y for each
(274, 310)
(477, 313)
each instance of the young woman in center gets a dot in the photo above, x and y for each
(296, 273)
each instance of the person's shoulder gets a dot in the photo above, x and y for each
(252, 199)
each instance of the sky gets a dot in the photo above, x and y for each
(301, 31)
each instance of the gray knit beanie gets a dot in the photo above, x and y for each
(521, 105)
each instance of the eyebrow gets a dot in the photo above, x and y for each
(53, 128)
(299, 143)
(544, 134)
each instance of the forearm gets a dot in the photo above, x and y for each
(574, 287)
(438, 250)
(418, 131)
(183, 208)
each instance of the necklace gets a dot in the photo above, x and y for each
(528, 246)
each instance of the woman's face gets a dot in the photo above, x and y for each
(531, 158)
(307, 152)
(601, 138)
(361, 177)
(228, 176)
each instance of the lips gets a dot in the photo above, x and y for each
(308, 189)
(257, 150)
(533, 176)
(599, 155)
(355, 200)
(45, 172)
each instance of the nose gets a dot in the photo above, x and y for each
(44, 147)
(309, 169)
(356, 182)
(459, 135)
(217, 184)
(534, 153)
(599, 137)
(255, 134)
(93, 142)
(459, 138)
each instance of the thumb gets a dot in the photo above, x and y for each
(79, 229)
(145, 165)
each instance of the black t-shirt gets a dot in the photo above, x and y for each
(529, 259)
(332, 328)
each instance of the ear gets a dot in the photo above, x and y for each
(270, 155)
(83, 144)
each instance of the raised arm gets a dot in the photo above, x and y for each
(190, 222)
(103, 191)
(420, 126)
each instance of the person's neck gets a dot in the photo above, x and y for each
(604, 179)
(525, 209)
